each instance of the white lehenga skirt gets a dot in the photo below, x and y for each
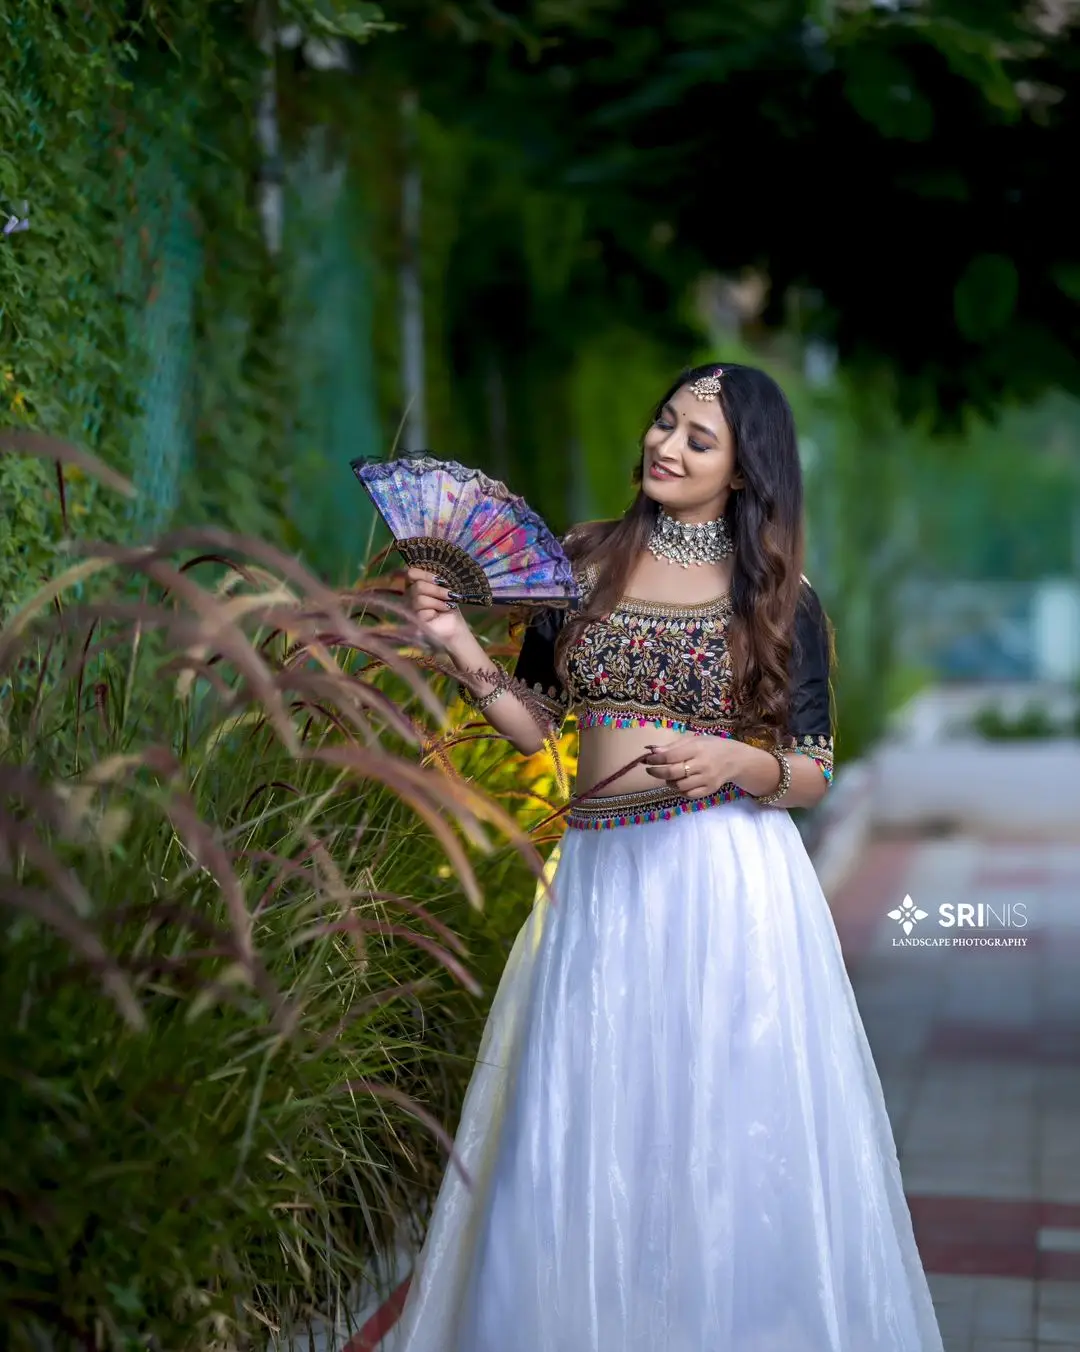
(675, 1132)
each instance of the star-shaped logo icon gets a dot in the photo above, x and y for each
(907, 915)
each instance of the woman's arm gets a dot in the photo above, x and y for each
(439, 617)
(758, 773)
(507, 714)
(697, 766)
(810, 723)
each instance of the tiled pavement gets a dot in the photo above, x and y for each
(978, 1048)
(979, 1053)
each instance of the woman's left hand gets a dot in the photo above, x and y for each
(697, 766)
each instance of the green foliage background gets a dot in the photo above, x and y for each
(143, 314)
(65, 366)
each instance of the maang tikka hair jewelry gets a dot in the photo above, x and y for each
(687, 542)
(707, 387)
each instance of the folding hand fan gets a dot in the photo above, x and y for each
(469, 529)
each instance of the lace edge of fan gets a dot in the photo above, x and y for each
(382, 469)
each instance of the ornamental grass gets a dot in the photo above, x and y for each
(246, 955)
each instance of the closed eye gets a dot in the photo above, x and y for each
(666, 426)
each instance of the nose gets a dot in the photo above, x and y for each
(669, 440)
(668, 448)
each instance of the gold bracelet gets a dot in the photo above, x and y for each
(483, 701)
(765, 799)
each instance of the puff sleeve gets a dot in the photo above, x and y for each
(810, 727)
(536, 663)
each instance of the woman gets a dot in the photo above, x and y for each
(675, 1135)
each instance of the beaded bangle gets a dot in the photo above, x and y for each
(765, 799)
(481, 702)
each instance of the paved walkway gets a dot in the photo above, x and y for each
(978, 1047)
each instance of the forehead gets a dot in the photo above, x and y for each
(705, 412)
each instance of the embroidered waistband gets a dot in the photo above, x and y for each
(647, 805)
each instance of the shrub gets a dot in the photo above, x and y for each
(234, 826)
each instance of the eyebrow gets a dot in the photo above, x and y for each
(700, 427)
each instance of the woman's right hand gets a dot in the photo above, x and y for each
(436, 614)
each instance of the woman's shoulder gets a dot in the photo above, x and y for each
(809, 601)
(813, 627)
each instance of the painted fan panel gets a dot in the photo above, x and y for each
(455, 521)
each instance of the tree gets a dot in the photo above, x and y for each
(902, 170)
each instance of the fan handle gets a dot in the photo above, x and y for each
(462, 573)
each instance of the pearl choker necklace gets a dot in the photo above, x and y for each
(687, 542)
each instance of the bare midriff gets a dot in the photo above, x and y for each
(603, 752)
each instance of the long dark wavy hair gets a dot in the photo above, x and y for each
(765, 518)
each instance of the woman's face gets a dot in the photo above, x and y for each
(689, 465)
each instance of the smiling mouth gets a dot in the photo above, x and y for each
(661, 472)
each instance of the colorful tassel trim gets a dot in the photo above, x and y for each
(823, 763)
(601, 720)
(594, 814)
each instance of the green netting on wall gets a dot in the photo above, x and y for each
(163, 263)
(329, 309)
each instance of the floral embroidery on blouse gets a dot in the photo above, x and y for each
(669, 666)
(651, 661)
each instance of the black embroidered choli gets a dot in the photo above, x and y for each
(668, 666)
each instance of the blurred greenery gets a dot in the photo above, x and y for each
(686, 139)
(1034, 721)
(582, 169)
